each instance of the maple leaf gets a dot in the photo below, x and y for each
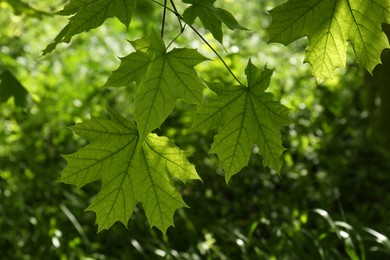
(162, 78)
(211, 17)
(245, 116)
(329, 25)
(90, 14)
(132, 171)
(11, 87)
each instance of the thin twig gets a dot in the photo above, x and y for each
(178, 17)
(216, 53)
(163, 18)
(202, 38)
(177, 36)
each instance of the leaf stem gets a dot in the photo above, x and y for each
(178, 17)
(163, 18)
(177, 36)
(216, 53)
(174, 11)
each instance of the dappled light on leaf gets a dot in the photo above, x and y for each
(330, 26)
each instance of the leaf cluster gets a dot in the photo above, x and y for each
(137, 166)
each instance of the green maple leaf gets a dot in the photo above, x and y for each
(131, 170)
(90, 14)
(162, 78)
(11, 87)
(211, 17)
(245, 116)
(329, 25)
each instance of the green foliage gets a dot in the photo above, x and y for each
(132, 170)
(335, 157)
(247, 116)
(162, 77)
(11, 87)
(89, 14)
(211, 17)
(21, 8)
(330, 25)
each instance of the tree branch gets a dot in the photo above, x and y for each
(174, 11)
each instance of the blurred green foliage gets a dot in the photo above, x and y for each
(330, 201)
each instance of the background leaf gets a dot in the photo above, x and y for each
(11, 87)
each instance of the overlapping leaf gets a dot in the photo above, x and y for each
(89, 14)
(211, 17)
(245, 116)
(330, 25)
(162, 77)
(131, 170)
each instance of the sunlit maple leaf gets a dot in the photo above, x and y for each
(245, 116)
(162, 78)
(132, 171)
(330, 25)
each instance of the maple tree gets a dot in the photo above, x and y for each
(137, 166)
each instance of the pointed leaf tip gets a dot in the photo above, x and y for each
(211, 17)
(245, 116)
(330, 26)
(132, 171)
(90, 14)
